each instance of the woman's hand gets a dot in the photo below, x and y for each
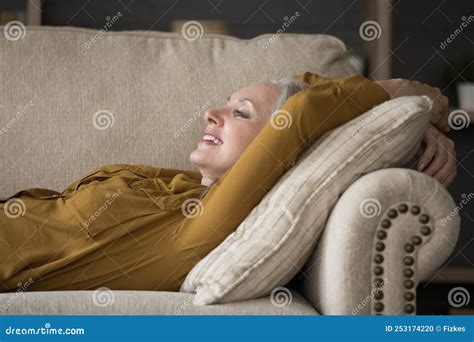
(398, 87)
(437, 156)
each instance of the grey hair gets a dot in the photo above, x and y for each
(289, 86)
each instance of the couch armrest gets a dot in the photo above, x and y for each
(396, 225)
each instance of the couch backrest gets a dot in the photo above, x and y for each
(74, 99)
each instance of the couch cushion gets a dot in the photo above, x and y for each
(106, 302)
(73, 99)
(273, 242)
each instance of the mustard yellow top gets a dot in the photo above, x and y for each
(123, 226)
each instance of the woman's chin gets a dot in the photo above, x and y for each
(197, 157)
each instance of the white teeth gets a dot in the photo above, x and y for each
(211, 138)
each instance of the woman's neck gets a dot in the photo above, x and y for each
(206, 181)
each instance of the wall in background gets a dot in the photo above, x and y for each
(417, 30)
(419, 34)
(245, 18)
(419, 39)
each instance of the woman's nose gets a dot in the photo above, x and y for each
(213, 115)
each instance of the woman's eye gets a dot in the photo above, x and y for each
(239, 113)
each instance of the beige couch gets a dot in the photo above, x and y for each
(151, 89)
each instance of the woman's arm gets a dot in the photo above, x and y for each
(437, 156)
(400, 87)
(303, 118)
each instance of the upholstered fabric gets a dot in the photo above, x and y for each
(339, 275)
(275, 240)
(106, 302)
(71, 104)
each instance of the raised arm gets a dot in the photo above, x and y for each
(437, 154)
(301, 120)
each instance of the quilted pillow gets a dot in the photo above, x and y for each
(274, 241)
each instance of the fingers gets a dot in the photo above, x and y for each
(443, 123)
(439, 160)
(448, 172)
(447, 176)
(440, 110)
(429, 139)
(420, 150)
(452, 175)
(427, 157)
(438, 121)
(439, 155)
(443, 166)
(445, 114)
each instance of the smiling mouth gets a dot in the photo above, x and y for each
(210, 140)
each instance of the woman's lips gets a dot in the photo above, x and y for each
(211, 139)
(208, 142)
(210, 135)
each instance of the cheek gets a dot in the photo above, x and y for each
(230, 151)
(238, 136)
(241, 139)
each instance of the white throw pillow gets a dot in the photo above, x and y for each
(271, 245)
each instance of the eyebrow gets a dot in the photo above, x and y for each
(242, 99)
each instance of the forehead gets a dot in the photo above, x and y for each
(256, 93)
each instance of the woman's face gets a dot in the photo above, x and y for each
(233, 126)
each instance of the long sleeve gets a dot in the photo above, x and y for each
(306, 115)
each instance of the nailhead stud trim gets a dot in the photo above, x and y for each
(408, 260)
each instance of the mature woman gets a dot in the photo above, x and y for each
(139, 227)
